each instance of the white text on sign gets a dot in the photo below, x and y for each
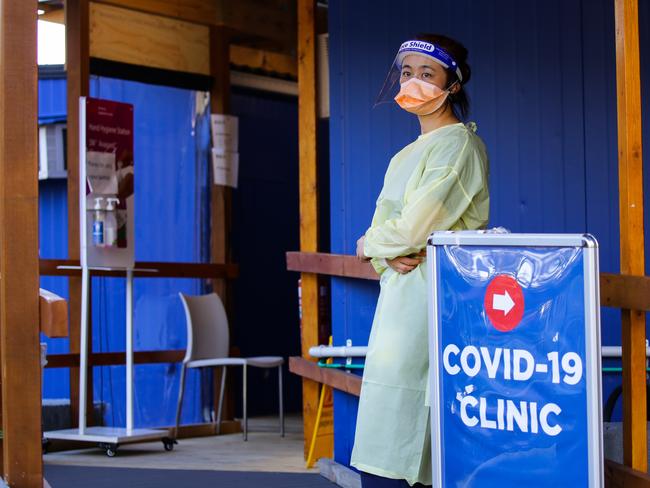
(512, 365)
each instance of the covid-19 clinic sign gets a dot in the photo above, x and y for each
(515, 360)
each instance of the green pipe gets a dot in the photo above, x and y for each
(340, 366)
(616, 370)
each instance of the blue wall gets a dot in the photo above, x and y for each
(172, 224)
(544, 97)
(171, 144)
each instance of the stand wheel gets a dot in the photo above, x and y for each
(110, 449)
(168, 443)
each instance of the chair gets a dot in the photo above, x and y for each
(208, 344)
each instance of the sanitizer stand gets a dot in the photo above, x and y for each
(114, 118)
(108, 438)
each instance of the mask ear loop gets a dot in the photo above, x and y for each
(452, 85)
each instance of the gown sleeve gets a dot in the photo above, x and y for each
(451, 178)
(379, 264)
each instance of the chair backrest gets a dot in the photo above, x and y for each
(207, 327)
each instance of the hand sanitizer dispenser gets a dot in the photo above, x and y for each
(98, 223)
(110, 225)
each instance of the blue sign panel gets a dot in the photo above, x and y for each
(515, 362)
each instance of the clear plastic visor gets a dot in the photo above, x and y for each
(416, 64)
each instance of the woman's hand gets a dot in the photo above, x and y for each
(405, 264)
(360, 253)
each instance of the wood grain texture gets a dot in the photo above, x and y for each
(343, 265)
(197, 11)
(635, 443)
(53, 313)
(78, 85)
(118, 358)
(270, 23)
(221, 196)
(617, 291)
(20, 368)
(340, 380)
(619, 476)
(259, 59)
(625, 291)
(128, 36)
(115, 358)
(309, 232)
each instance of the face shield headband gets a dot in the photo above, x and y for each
(436, 53)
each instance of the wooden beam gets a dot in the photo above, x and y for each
(270, 22)
(340, 380)
(55, 15)
(221, 196)
(146, 269)
(268, 61)
(635, 442)
(309, 232)
(346, 266)
(619, 476)
(618, 291)
(53, 314)
(128, 36)
(197, 11)
(22, 464)
(625, 291)
(78, 85)
(115, 358)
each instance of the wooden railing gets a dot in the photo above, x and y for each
(617, 291)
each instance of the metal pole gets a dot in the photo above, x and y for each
(83, 345)
(129, 351)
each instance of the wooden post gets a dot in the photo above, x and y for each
(307, 139)
(220, 196)
(631, 229)
(78, 74)
(219, 104)
(19, 290)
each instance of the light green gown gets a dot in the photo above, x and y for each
(438, 182)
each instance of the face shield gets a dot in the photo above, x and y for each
(400, 73)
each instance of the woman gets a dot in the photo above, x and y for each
(438, 182)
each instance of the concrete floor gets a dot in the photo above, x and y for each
(265, 451)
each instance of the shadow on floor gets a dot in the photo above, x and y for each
(82, 476)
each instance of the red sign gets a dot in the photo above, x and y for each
(109, 129)
(504, 303)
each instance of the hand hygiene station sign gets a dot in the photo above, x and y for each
(514, 349)
(106, 186)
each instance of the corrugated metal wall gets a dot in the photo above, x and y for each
(171, 145)
(544, 97)
(52, 98)
(172, 210)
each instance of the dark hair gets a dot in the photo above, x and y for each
(459, 100)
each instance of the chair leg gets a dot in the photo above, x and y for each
(244, 403)
(281, 401)
(179, 405)
(223, 387)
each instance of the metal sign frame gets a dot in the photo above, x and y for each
(592, 365)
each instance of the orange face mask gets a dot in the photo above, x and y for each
(420, 98)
